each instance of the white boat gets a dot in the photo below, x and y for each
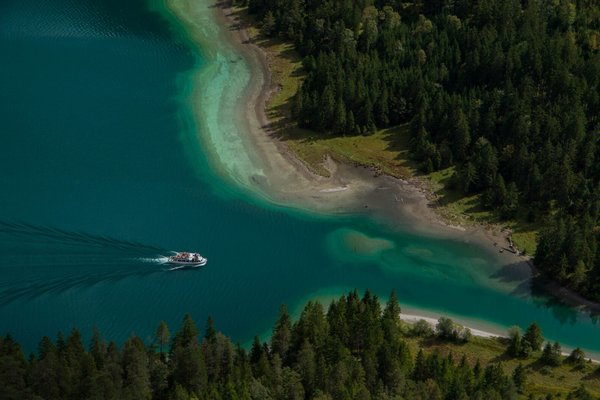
(184, 259)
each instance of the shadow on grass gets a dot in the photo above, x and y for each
(502, 358)
(441, 344)
(594, 374)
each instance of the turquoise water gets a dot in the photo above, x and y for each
(101, 174)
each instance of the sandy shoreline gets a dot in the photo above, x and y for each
(432, 321)
(413, 318)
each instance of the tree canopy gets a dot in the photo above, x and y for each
(354, 350)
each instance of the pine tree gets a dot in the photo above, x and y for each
(327, 109)
(577, 358)
(350, 123)
(159, 378)
(45, 373)
(340, 123)
(98, 349)
(12, 370)
(210, 332)
(391, 322)
(467, 178)
(515, 344)
(485, 161)
(136, 378)
(161, 337)
(462, 137)
(511, 202)
(187, 334)
(268, 24)
(533, 337)
(186, 357)
(282, 334)
(519, 377)
(551, 355)
(306, 366)
(110, 379)
(256, 351)
(420, 370)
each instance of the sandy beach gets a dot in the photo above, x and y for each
(413, 318)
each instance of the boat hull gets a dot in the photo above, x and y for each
(188, 263)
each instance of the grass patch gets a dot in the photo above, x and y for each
(540, 380)
(379, 151)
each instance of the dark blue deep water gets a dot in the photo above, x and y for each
(96, 183)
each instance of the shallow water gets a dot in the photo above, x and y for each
(103, 172)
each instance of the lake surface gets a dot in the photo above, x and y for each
(102, 172)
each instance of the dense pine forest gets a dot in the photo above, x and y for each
(354, 350)
(506, 91)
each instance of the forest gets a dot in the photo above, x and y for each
(357, 349)
(505, 91)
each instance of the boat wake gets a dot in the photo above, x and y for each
(38, 234)
(34, 288)
(154, 260)
(160, 260)
(36, 260)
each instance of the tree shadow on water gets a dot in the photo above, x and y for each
(515, 272)
(543, 293)
(560, 308)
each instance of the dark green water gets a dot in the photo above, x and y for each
(96, 182)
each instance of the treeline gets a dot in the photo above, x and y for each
(355, 350)
(506, 91)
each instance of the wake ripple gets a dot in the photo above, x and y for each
(39, 260)
(38, 233)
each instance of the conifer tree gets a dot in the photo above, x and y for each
(515, 344)
(533, 337)
(282, 334)
(268, 24)
(551, 355)
(519, 377)
(186, 357)
(391, 319)
(462, 137)
(162, 336)
(136, 378)
(577, 358)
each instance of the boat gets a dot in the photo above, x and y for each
(185, 259)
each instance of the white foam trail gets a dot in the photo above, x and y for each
(154, 260)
